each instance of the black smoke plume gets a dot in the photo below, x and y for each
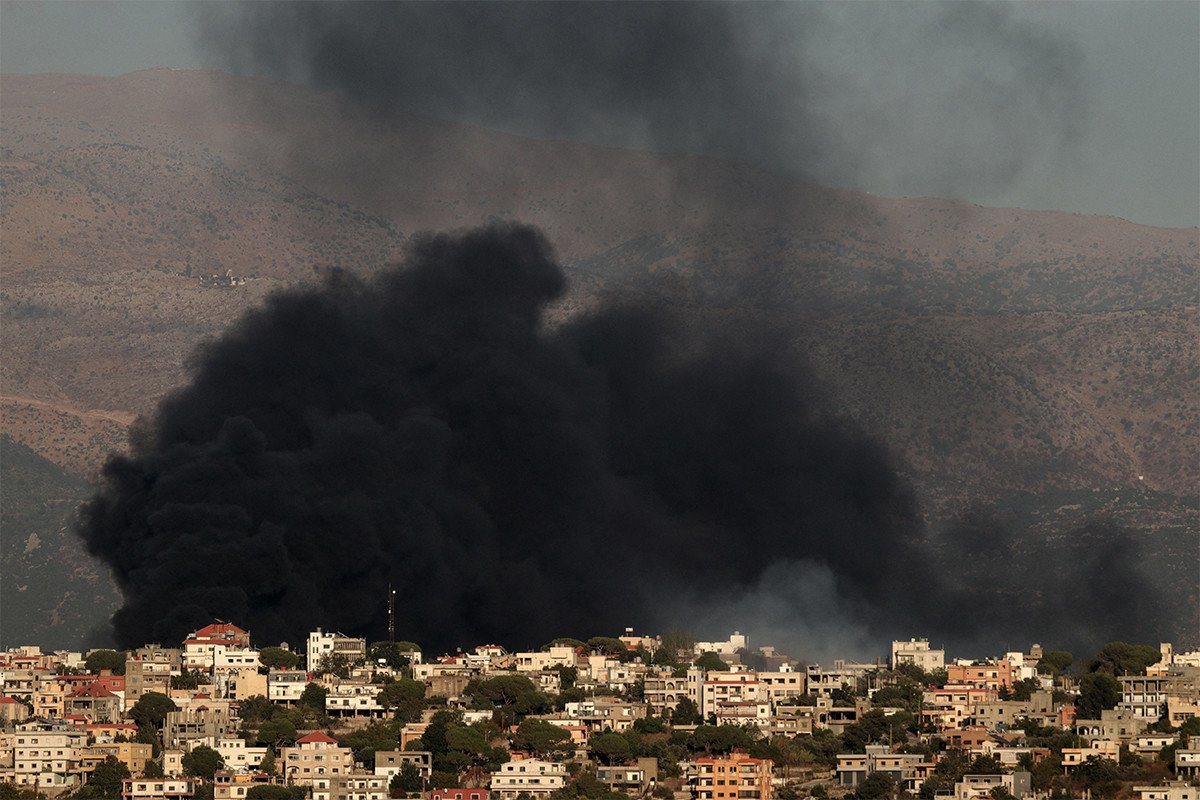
(515, 482)
(426, 430)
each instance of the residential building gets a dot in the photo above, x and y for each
(736, 776)
(530, 775)
(47, 754)
(149, 669)
(322, 644)
(389, 762)
(636, 780)
(918, 653)
(349, 786)
(157, 788)
(1171, 790)
(314, 756)
(464, 794)
(853, 768)
(979, 787)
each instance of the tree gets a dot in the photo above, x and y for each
(313, 697)
(338, 664)
(202, 762)
(408, 779)
(405, 697)
(392, 654)
(153, 769)
(843, 696)
(106, 778)
(711, 662)
(152, 708)
(278, 732)
(608, 645)
(541, 738)
(610, 748)
(105, 659)
(1097, 691)
(678, 641)
(278, 658)
(267, 764)
(686, 712)
(875, 786)
(1122, 658)
(1054, 662)
(1024, 689)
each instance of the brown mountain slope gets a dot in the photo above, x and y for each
(992, 348)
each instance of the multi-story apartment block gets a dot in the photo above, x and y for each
(149, 669)
(532, 776)
(918, 653)
(732, 686)
(286, 685)
(157, 788)
(231, 785)
(238, 755)
(350, 786)
(94, 703)
(388, 763)
(322, 644)
(736, 776)
(637, 780)
(980, 787)
(47, 754)
(346, 699)
(558, 656)
(198, 724)
(12, 711)
(663, 691)
(904, 768)
(314, 756)
(995, 675)
(1171, 790)
(783, 684)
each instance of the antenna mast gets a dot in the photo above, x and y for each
(391, 614)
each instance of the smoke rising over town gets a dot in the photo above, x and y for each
(426, 430)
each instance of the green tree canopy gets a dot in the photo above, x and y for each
(711, 662)
(202, 762)
(1053, 662)
(106, 778)
(105, 659)
(610, 748)
(404, 697)
(1122, 658)
(608, 645)
(686, 712)
(542, 738)
(152, 708)
(1097, 691)
(876, 786)
(392, 654)
(267, 764)
(313, 697)
(277, 732)
(278, 658)
(408, 779)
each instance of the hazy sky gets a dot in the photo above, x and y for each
(1136, 153)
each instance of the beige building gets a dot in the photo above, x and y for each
(1172, 790)
(47, 754)
(12, 711)
(979, 787)
(530, 775)
(388, 763)
(918, 653)
(316, 755)
(157, 788)
(149, 669)
(350, 786)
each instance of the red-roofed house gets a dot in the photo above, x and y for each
(460, 794)
(12, 711)
(94, 703)
(315, 755)
(223, 631)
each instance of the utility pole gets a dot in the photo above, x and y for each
(391, 614)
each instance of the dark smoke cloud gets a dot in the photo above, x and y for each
(426, 430)
(898, 98)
